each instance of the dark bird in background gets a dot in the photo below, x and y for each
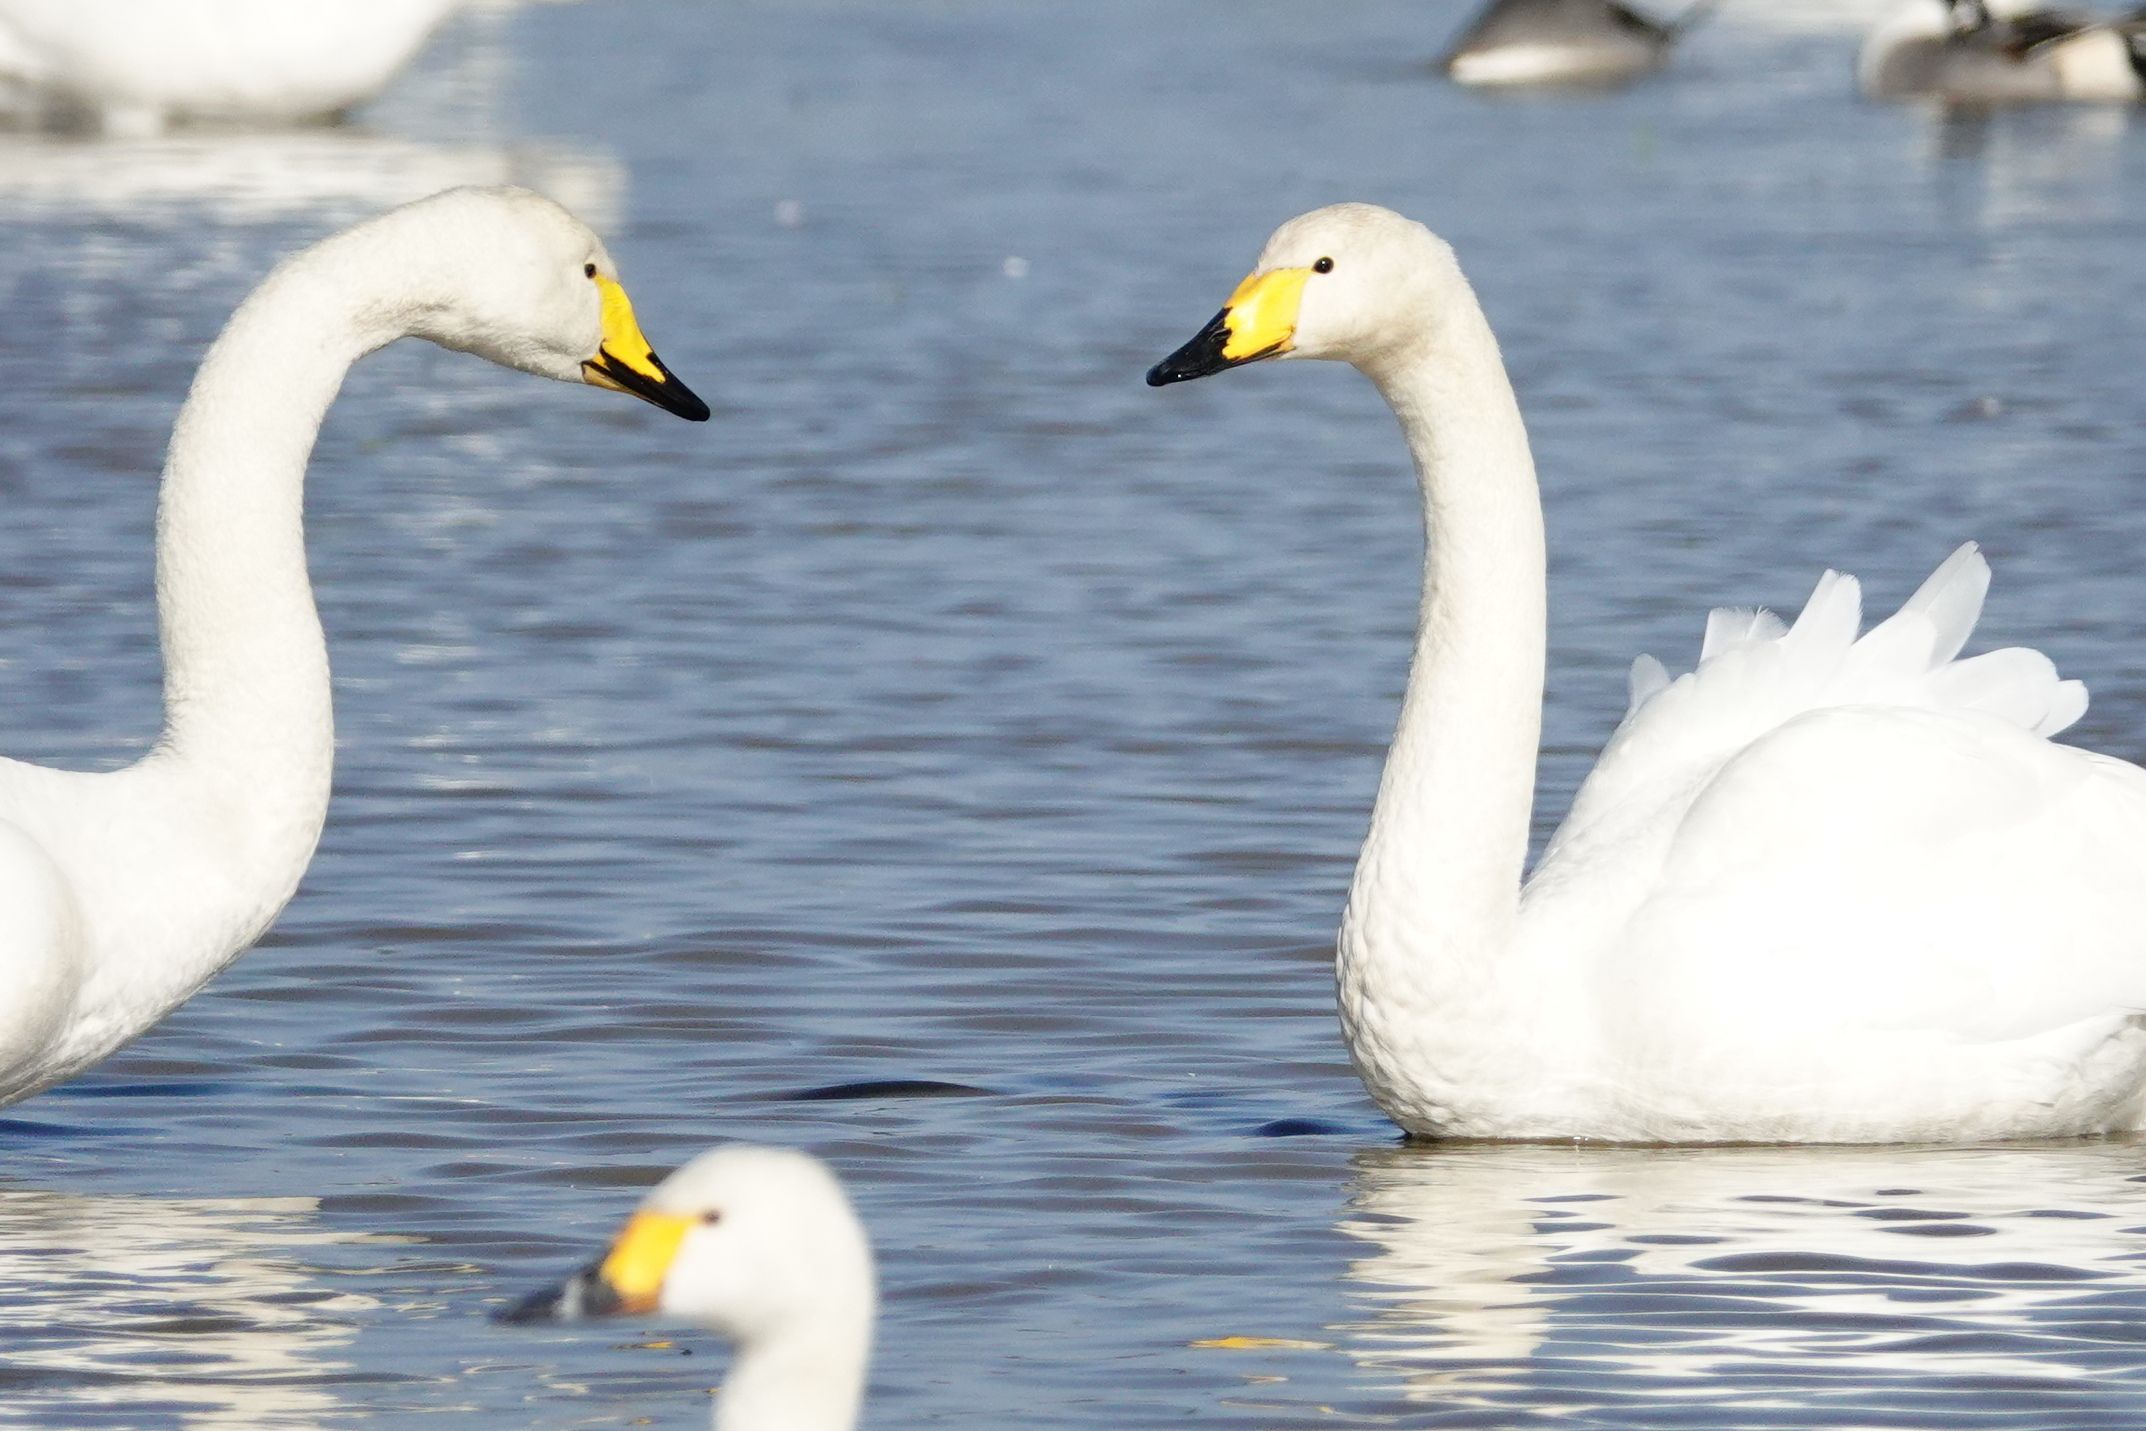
(1516, 43)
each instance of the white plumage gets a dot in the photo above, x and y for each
(135, 68)
(122, 893)
(758, 1245)
(1832, 885)
(1519, 43)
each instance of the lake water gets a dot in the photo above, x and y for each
(956, 715)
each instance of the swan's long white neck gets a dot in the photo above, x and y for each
(208, 836)
(1423, 954)
(243, 653)
(807, 1378)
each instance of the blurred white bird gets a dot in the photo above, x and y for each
(762, 1247)
(132, 68)
(1564, 42)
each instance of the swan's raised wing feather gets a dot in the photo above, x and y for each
(1755, 675)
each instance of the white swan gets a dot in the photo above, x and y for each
(1823, 889)
(1969, 52)
(134, 68)
(122, 893)
(759, 1245)
(1564, 42)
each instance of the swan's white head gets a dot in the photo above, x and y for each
(1352, 282)
(760, 1245)
(509, 275)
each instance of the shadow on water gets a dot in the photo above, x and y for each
(1834, 1286)
(873, 1088)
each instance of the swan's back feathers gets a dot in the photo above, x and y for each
(1755, 674)
(1730, 626)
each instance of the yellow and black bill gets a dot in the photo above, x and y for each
(626, 1281)
(1259, 321)
(625, 363)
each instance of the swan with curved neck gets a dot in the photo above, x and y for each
(1831, 886)
(123, 893)
(759, 1245)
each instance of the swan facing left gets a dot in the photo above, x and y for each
(761, 1246)
(122, 893)
(1834, 885)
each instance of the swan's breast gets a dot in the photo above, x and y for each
(41, 961)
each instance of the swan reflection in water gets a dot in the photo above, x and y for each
(339, 172)
(1852, 1278)
(199, 1313)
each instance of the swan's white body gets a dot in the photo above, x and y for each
(1518, 43)
(758, 1245)
(135, 68)
(122, 893)
(1828, 887)
(2004, 54)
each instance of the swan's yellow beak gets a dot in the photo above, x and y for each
(1260, 321)
(641, 1258)
(625, 1281)
(625, 363)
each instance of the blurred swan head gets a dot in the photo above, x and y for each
(761, 1246)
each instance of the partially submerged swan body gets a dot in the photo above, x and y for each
(1967, 52)
(132, 68)
(1833, 886)
(1516, 43)
(759, 1246)
(123, 893)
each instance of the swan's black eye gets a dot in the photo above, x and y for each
(589, 269)
(711, 1216)
(1324, 265)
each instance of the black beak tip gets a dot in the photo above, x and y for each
(675, 397)
(690, 407)
(538, 1306)
(664, 390)
(1198, 358)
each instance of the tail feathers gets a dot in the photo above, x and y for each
(1649, 679)
(1728, 627)
(1826, 627)
(2015, 685)
(1951, 601)
(1756, 667)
